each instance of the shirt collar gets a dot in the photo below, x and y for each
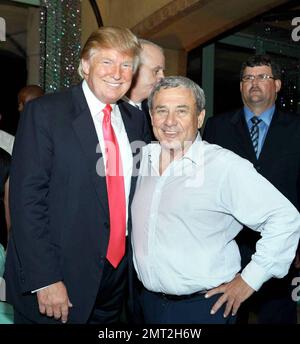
(95, 105)
(127, 100)
(193, 153)
(265, 116)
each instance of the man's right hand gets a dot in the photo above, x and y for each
(54, 301)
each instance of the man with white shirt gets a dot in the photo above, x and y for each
(71, 185)
(195, 197)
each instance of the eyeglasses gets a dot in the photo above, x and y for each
(259, 77)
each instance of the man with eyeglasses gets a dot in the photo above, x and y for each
(269, 139)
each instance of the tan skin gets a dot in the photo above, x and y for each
(108, 73)
(175, 121)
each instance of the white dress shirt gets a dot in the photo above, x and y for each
(6, 141)
(96, 108)
(185, 221)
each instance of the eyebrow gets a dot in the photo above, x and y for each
(182, 107)
(158, 107)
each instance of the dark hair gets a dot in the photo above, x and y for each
(261, 60)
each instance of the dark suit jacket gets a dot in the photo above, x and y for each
(59, 206)
(146, 113)
(279, 161)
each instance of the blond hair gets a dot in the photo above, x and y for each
(107, 37)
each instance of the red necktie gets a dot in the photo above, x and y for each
(115, 192)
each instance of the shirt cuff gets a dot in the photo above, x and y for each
(255, 275)
(35, 291)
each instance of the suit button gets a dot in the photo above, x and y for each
(258, 168)
(106, 225)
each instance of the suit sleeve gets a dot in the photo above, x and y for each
(30, 178)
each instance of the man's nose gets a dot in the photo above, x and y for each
(160, 75)
(171, 119)
(117, 72)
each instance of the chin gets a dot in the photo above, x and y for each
(171, 145)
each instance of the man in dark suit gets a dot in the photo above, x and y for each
(150, 72)
(71, 184)
(269, 139)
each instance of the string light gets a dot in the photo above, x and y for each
(60, 34)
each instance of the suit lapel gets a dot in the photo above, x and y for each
(244, 139)
(127, 117)
(128, 113)
(86, 133)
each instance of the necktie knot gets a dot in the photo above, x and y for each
(255, 120)
(107, 113)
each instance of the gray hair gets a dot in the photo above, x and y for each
(179, 81)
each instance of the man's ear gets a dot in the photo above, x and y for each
(85, 66)
(201, 117)
(277, 85)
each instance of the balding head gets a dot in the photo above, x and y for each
(150, 72)
(27, 93)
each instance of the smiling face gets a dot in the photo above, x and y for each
(259, 94)
(175, 118)
(108, 73)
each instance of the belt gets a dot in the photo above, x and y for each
(180, 297)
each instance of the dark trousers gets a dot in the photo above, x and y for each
(111, 295)
(110, 298)
(272, 303)
(21, 319)
(158, 309)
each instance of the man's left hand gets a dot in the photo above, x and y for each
(234, 293)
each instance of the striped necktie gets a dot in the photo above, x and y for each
(254, 132)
